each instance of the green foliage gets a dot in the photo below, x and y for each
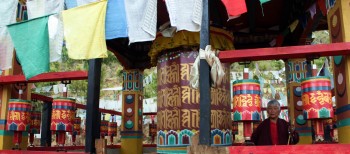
(79, 87)
(150, 90)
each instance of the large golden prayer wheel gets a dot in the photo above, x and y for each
(178, 103)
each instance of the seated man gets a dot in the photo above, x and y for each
(274, 131)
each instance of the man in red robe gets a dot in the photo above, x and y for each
(274, 131)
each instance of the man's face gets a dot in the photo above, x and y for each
(273, 111)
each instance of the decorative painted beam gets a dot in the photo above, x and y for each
(45, 77)
(305, 51)
(81, 106)
(41, 97)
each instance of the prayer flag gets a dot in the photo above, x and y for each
(7, 16)
(235, 7)
(39, 8)
(31, 40)
(293, 25)
(264, 1)
(84, 31)
(116, 26)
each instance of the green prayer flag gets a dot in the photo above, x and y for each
(264, 1)
(31, 41)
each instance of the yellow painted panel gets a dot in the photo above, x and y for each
(131, 146)
(344, 135)
(7, 144)
(305, 140)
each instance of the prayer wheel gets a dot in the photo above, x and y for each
(112, 130)
(246, 103)
(76, 128)
(77, 123)
(18, 118)
(62, 119)
(104, 128)
(317, 98)
(317, 102)
(35, 118)
(177, 103)
(246, 100)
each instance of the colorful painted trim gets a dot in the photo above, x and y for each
(305, 134)
(183, 138)
(342, 109)
(303, 129)
(219, 39)
(10, 133)
(131, 134)
(19, 100)
(2, 121)
(64, 99)
(172, 149)
(324, 88)
(343, 123)
(246, 81)
(63, 107)
(239, 92)
(315, 78)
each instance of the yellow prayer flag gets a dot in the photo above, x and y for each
(293, 25)
(84, 31)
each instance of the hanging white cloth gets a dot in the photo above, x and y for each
(7, 16)
(185, 14)
(38, 8)
(141, 16)
(84, 2)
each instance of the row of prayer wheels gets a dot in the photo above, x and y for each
(316, 98)
(108, 129)
(21, 119)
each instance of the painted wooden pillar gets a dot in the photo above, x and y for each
(178, 105)
(7, 92)
(338, 23)
(131, 127)
(296, 70)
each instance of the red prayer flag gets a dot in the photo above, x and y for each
(322, 5)
(235, 7)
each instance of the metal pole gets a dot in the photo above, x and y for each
(204, 81)
(92, 105)
(45, 139)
